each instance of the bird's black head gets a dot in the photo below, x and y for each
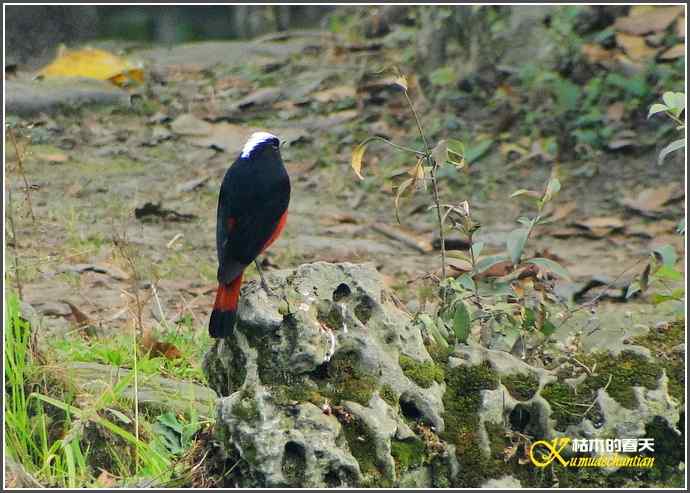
(260, 143)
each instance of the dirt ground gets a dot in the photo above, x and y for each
(91, 171)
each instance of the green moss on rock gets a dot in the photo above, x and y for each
(562, 397)
(346, 380)
(661, 342)
(389, 395)
(359, 440)
(439, 353)
(628, 370)
(462, 401)
(408, 454)
(423, 373)
(521, 387)
(246, 407)
(300, 391)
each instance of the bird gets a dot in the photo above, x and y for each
(252, 212)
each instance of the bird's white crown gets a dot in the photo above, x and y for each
(254, 140)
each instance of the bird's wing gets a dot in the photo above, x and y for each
(244, 227)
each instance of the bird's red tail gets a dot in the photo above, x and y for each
(224, 312)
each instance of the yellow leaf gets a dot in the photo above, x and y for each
(635, 46)
(401, 189)
(357, 156)
(417, 171)
(402, 82)
(93, 64)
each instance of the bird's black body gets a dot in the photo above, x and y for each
(252, 207)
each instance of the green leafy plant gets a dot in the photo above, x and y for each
(46, 433)
(673, 106)
(463, 300)
(660, 277)
(176, 433)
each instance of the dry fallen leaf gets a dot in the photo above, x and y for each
(652, 229)
(229, 137)
(674, 52)
(601, 222)
(356, 162)
(80, 317)
(188, 124)
(651, 200)
(636, 10)
(334, 94)
(594, 53)
(498, 270)
(93, 64)
(624, 138)
(459, 265)
(405, 236)
(158, 348)
(649, 20)
(566, 232)
(601, 226)
(56, 157)
(106, 480)
(261, 97)
(635, 47)
(615, 111)
(562, 211)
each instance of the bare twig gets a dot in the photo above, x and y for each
(593, 301)
(20, 167)
(434, 185)
(158, 303)
(408, 240)
(595, 400)
(589, 372)
(10, 217)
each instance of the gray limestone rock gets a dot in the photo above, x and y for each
(327, 383)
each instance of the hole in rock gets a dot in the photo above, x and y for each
(364, 308)
(410, 409)
(520, 418)
(294, 463)
(342, 291)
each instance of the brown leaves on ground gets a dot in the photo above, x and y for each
(602, 226)
(224, 136)
(334, 94)
(651, 201)
(644, 19)
(635, 47)
(639, 38)
(406, 236)
(52, 158)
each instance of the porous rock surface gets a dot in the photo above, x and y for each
(327, 382)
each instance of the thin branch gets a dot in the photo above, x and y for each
(595, 400)
(20, 167)
(593, 301)
(434, 185)
(397, 146)
(10, 217)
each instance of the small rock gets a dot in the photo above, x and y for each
(502, 483)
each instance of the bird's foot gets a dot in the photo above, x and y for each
(264, 284)
(265, 287)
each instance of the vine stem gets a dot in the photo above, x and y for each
(434, 186)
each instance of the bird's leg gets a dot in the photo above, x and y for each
(264, 284)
